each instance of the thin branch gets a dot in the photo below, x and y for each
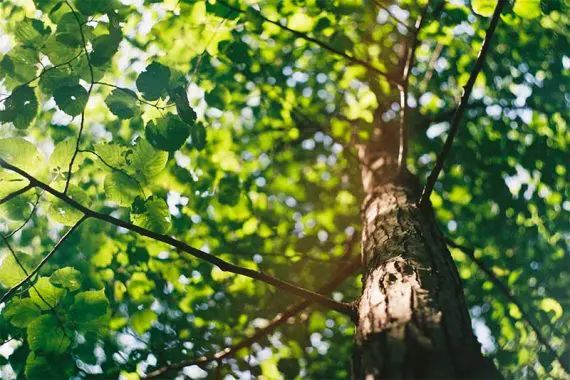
(16, 193)
(34, 209)
(44, 260)
(112, 167)
(222, 264)
(410, 55)
(463, 103)
(470, 252)
(431, 67)
(44, 70)
(346, 271)
(23, 268)
(392, 15)
(130, 93)
(391, 78)
(84, 41)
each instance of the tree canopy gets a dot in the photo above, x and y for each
(180, 186)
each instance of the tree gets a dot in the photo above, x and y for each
(185, 184)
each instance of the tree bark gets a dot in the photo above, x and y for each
(412, 318)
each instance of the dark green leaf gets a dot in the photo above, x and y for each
(153, 82)
(198, 134)
(21, 107)
(168, 133)
(123, 103)
(71, 99)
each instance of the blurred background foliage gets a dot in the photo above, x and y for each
(276, 185)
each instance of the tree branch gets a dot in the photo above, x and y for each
(16, 193)
(347, 271)
(84, 41)
(403, 88)
(343, 308)
(391, 15)
(469, 252)
(391, 78)
(463, 103)
(44, 260)
(44, 70)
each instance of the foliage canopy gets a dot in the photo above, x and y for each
(155, 138)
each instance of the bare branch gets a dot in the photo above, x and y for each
(280, 319)
(469, 252)
(391, 78)
(463, 103)
(343, 308)
(44, 260)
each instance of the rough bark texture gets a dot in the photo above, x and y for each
(412, 317)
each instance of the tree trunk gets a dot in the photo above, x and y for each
(413, 320)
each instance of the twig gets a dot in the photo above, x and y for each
(410, 55)
(16, 193)
(347, 270)
(44, 70)
(34, 209)
(463, 103)
(391, 15)
(112, 167)
(391, 78)
(222, 264)
(469, 252)
(84, 41)
(23, 268)
(140, 100)
(44, 260)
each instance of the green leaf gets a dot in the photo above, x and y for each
(68, 30)
(45, 295)
(10, 272)
(65, 214)
(484, 8)
(58, 52)
(528, 9)
(45, 336)
(91, 7)
(21, 312)
(19, 65)
(229, 190)
(151, 214)
(168, 133)
(39, 367)
(550, 305)
(143, 320)
(123, 103)
(31, 32)
(112, 154)
(71, 99)
(67, 277)
(104, 48)
(55, 77)
(121, 188)
(186, 113)
(198, 136)
(90, 305)
(153, 82)
(145, 161)
(22, 154)
(61, 157)
(21, 108)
